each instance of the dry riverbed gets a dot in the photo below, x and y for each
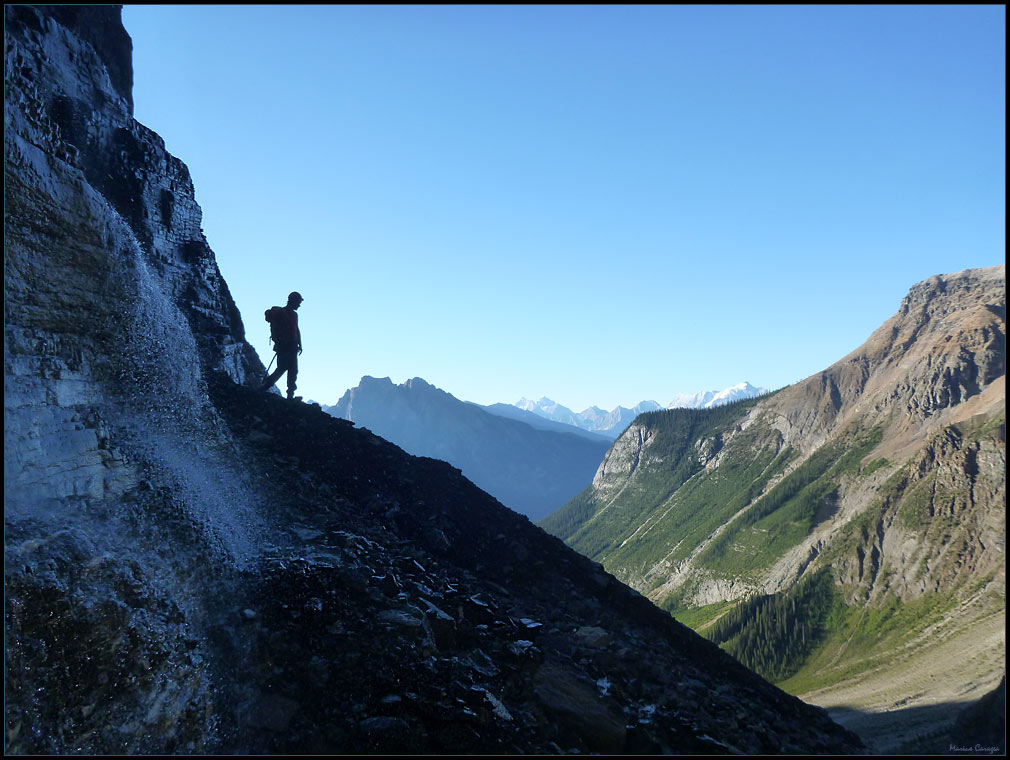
(918, 696)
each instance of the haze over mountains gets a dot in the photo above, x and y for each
(611, 424)
(533, 457)
(533, 470)
(542, 423)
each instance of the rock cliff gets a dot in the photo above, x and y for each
(111, 292)
(195, 567)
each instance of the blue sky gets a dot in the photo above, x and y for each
(601, 204)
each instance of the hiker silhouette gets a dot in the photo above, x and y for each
(287, 340)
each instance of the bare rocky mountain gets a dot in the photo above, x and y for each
(195, 567)
(868, 502)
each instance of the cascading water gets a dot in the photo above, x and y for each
(123, 563)
(172, 428)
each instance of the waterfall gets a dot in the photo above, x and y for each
(167, 422)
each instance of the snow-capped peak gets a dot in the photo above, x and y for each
(708, 399)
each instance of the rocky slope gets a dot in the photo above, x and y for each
(530, 470)
(195, 567)
(886, 471)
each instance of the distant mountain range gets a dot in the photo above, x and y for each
(531, 456)
(709, 399)
(596, 420)
(531, 468)
(542, 423)
(611, 424)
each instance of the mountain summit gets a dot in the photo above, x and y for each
(611, 424)
(866, 503)
(709, 399)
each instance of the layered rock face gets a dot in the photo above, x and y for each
(110, 286)
(114, 308)
(931, 381)
(940, 527)
(195, 567)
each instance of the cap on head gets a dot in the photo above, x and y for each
(295, 296)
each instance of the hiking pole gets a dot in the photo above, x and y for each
(271, 362)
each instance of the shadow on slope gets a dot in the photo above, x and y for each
(945, 728)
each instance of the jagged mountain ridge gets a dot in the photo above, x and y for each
(709, 399)
(610, 424)
(887, 470)
(542, 423)
(533, 471)
(909, 381)
(195, 567)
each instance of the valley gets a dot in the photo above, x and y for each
(844, 536)
(194, 566)
(906, 700)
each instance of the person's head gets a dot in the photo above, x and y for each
(295, 299)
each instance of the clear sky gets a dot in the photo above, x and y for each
(601, 204)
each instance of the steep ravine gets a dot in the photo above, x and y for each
(195, 567)
(884, 474)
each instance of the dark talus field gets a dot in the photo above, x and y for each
(195, 567)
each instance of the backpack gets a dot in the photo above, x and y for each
(272, 315)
